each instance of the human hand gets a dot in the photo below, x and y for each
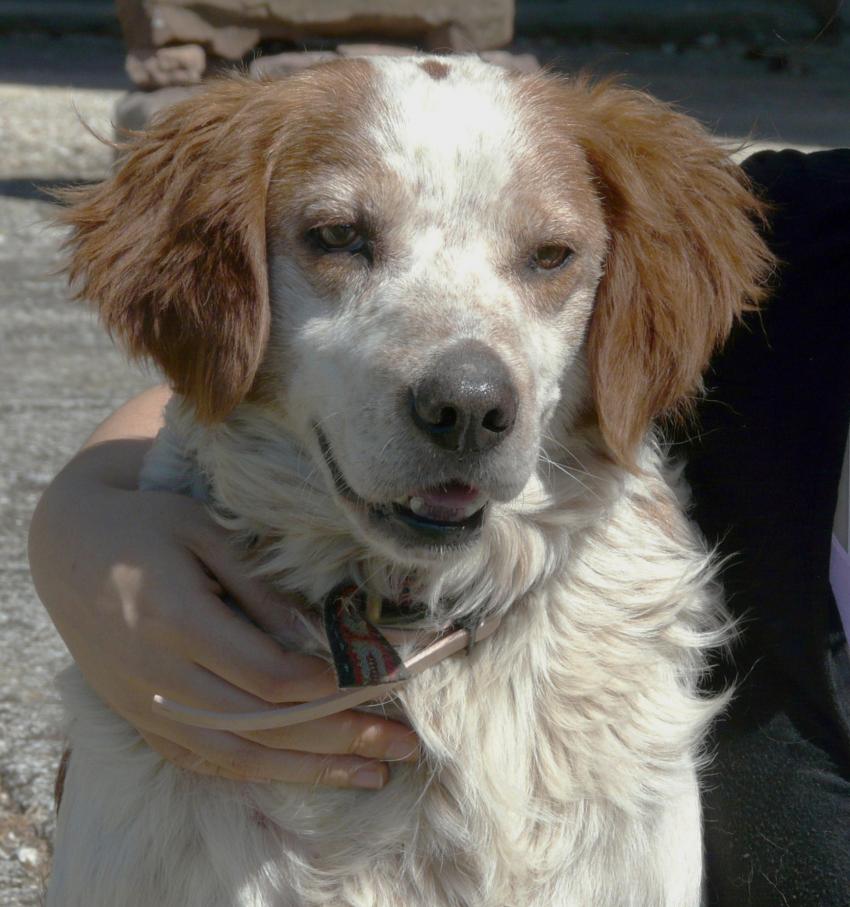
(133, 581)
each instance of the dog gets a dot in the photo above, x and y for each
(422, 318)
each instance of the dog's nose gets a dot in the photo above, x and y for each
(467, 401)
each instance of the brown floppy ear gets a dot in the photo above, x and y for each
(172, 248)
(684, 260)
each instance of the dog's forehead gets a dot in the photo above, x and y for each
(446, 124)
(454, 145)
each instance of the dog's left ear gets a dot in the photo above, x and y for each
(172, 248)
(684, 261)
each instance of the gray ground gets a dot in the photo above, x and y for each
(59, 375)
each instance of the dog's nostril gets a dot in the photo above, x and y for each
(430, 413)
(448, 418)
(496, 420)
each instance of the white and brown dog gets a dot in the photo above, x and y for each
(421, 315)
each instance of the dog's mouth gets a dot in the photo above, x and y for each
(446, 515)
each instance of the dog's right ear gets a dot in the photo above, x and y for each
(172, 248)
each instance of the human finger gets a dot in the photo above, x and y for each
(348, 732)
(356, 733)
(225, 755)
(233, 649)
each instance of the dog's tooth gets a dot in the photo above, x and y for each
(417, 505)
(473, 506)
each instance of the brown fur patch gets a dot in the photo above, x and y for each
(552, 201)
(337, 103)
(172, 248)
(435, 69)
(664, 513)
(684, 258)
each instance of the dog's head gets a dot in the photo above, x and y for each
(425, 268)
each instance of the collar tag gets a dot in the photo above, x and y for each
(362, 655)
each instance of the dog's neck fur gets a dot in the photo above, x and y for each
(263, 486)
(300, 540)
(562, 740)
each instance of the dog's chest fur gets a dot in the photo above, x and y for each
(558, 759)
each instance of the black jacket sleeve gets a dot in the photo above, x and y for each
(764, 468)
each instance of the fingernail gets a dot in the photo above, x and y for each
(369, 777)
(404, 749)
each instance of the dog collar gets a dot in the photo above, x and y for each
(367, 665)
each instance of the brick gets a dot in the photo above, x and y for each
(231, 28)
(526, 63)
(291, 61)
(371, 50)
(165, 66)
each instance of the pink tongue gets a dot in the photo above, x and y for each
(453, 495)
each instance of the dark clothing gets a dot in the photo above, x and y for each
(764, 472)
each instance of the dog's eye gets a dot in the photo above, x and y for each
(338, 238)
(551, 256)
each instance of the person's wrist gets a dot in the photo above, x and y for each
(68, 514)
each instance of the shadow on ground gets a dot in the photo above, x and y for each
(38, 190)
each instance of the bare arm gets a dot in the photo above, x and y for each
(133, 581)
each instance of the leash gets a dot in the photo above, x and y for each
(368, 668)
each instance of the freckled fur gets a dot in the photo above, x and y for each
(559, 759)
(435, 68)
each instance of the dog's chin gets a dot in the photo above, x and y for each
(426, 524)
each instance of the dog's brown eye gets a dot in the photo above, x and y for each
(339, 238)
(551, 256)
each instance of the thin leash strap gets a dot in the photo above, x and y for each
(459, 639)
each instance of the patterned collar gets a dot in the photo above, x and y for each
(367, 664)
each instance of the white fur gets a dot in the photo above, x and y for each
(559, 758)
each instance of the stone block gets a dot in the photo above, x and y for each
(371, 50)
(526, 63)
(278, 65)
(451, 37)
(275, 65)
(150, 69)
(231, 28)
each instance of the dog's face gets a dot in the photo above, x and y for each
(426, 268)
(430, 288)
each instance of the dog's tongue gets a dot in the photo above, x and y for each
(450, 503)
(452, 495)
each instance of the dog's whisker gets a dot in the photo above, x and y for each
(569, 473)
(581, 467)
(327, 418)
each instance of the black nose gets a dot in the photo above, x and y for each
(467, 401)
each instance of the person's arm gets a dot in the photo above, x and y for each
(132, 581)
